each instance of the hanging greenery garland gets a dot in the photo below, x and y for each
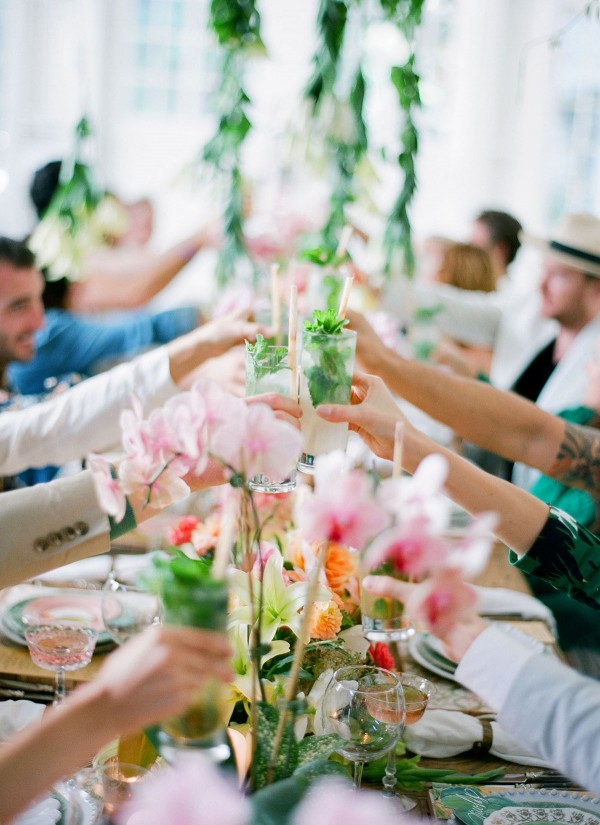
(236, 24)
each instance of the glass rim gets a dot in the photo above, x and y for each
(343, 333)
(41, 628)
(393, 685)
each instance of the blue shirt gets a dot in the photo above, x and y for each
(77, 344)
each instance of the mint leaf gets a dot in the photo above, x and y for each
(266, 357)
(326, 322)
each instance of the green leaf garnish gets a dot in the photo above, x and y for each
(325, 321)
(267, 358)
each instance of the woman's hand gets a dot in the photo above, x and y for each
(370, 349)
(285, 408)
(155, 674)
(372, 413)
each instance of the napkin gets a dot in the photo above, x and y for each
(17, 714)
(94, 569)
(443, 733)
(498, 601)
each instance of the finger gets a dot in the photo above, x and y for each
(277, 402)
(337, 413)
(387, 586)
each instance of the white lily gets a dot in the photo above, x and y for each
(282, 603)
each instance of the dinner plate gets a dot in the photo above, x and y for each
(46, 811)
(490, 806)
(420, 649)
(74, 608)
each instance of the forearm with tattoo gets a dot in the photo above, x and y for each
(577, 462)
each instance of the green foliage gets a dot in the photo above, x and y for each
(411, 777)
(331, 25)
(326, 322)
(266, 357)
(236, 24)
(292, 754)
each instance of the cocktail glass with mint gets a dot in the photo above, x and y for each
(326, 371)
(193, 598)
(268, 370)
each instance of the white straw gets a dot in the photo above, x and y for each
(345, 297)
(275, 303)
(398, 446)
(292, 334)
(344, 241)
(225, 541)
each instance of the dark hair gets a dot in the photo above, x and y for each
(16, 253)
(504, 229)
(43, 186)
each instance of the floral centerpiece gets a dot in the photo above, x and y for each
(293, 614)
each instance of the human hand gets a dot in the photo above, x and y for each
(372, 413)
(155, 674)
(370, 349)
(285, 408)
(230, 330)
(227, 370)
(591, 395)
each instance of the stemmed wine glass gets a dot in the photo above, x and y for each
(417, 692)
(61, 648)
(365, 707)
(128, 608)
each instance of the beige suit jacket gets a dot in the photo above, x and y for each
(49, 525)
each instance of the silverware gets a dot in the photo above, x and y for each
(22, 684)
(549, 778)
(12, 693)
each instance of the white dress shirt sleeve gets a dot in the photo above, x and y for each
(546, 705)
(83, 419)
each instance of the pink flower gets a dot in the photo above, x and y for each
(196, 793)
(220, 406)
(342, 507)
(469, 550)
(111, 497)
(420, 497)
(441, 602)
(206, 534)
(162, 484)
(257, 442)
(181, 533)
(333, 802)
(411, 548)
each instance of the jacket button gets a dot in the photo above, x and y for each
(68, 533)
(54, 539)
(40, 545)
(81, 528)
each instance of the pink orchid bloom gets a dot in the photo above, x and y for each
(186, 429)
(332, 802)
(257, 442)
(469, 549)
(196, 793)
(342, 507)
(220, 406)
(439, 603)
(420, 496)
(411, 548)
(163, 483)
(109, 491)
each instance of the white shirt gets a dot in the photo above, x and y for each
(83, 419)
(541, 702)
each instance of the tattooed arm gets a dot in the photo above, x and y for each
(493, 419)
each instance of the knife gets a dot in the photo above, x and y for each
(548, 778)
(12, 693)
(21, 684)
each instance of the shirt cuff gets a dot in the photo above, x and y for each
(127, 523)
(493, 662)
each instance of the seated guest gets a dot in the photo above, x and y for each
(124, 274)
(39, 345)
(152, 677)
(61, 521)
(540, 701)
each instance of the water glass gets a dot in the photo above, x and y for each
(365, 707)
(202, 725)
(268, 370)
(326, 371)
(383, 618)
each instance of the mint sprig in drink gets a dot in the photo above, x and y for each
(268, 370)
(327, 365)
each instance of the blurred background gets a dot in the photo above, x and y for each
(510, 116)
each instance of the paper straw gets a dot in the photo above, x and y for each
(292, 335)
(275, 303)
(225, 541)
(398, 445)
(345, 297)
(344, 241)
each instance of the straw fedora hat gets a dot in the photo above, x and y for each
(575, 242)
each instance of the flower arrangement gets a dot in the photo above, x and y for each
(293, 615)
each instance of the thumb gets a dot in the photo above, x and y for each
(336, 412)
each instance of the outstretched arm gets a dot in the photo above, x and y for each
(495, 420)
(373, 415)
